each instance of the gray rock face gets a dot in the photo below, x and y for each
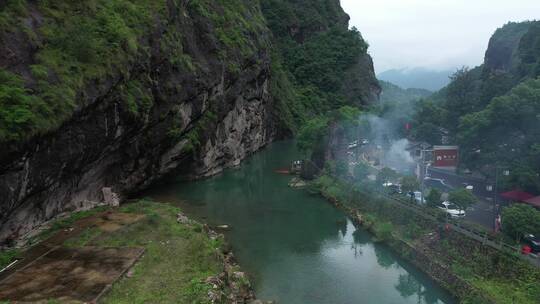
(202, 120)
(68, 169)
(206, 107)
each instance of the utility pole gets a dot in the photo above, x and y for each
(496, 195)
(495, 199)
(423, 173)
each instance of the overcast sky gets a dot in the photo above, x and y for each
(436, 34)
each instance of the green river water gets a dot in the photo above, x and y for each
(296, 247)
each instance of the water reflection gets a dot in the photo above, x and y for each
(296, 247)
(384, 258)
(409, 286)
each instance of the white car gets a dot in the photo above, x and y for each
(451, 209)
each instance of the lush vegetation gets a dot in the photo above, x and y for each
(314, 51)
(315, 134)
(80, 47)
(397, 105)
(393, 95)
(433, 198)
(409, 183)
(77, 43)
(520, 219)
(20, 111)
(507, 132)
(463, 198)
(8, 256)
(494, 277)
(493, 111)
(176, 263)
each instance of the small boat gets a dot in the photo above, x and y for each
(223, 227)
(282, 171)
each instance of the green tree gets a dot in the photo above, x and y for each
(506, 132)
(347, 118)
(20, 110)
(463, 198)
(433, 198)
(519, 219)
(427, 121)
(386, 174)
(409, 183)
(461, 96)
(342, 168)
(360, 171)
(313, 134)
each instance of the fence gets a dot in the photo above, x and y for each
(458, 226)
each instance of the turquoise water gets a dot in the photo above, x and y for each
(295, 246)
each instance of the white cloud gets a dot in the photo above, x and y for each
(437, 34)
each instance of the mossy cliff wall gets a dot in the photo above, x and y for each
(120, 93)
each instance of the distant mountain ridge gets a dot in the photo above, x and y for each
(394, 93)
(420, 78)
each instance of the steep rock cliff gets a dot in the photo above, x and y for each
(152, 116)
(120, 93)
(502, 53)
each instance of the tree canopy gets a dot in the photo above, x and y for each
(409, 183)
(386, 175)
(434, 197)
(519, 219)
(492, 111)
(463, 198)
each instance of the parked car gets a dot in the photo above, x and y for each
(451, 209)
(533, 242)
(468, 186)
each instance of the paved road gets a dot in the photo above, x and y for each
(481, 213)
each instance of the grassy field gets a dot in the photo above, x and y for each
(177, 260)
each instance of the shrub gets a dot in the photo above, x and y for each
(520, 219)
(462, 198)
(383, 231)
(434, 197)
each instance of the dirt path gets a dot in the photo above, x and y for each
(51, 270)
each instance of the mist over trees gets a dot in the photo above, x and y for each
(492, 111)
(417, 78)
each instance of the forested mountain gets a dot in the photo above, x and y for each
(118, 94)
(322, 63)
(417, 78)
(493, 111)
(393, 93)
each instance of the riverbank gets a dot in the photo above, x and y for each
(183, 261)
(470, 271)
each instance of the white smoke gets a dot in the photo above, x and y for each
(398, 157)
(394, 153)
